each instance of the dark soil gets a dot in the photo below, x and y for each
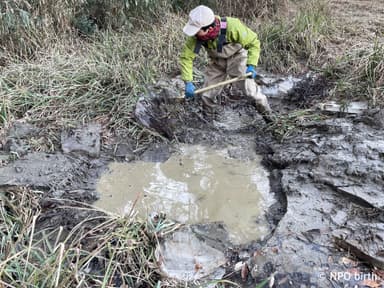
(327, 174)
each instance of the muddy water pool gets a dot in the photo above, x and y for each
(195, 185)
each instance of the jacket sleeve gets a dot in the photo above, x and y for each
(186, 59)
(247, 38)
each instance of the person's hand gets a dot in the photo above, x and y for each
(189, 90)
(250, 68)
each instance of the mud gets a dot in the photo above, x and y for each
(331, 173)
(184, 246)
(333, 179)
(195, 185)
(328, 176)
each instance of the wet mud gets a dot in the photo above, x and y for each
(327, 227)
(195, 185)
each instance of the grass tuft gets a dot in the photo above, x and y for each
(287, 125)
(101, 251)
(291, 45)
(98, 79)
(359, 75)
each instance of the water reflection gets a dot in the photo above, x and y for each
(193, 186)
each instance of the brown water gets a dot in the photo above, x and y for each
(195, 185)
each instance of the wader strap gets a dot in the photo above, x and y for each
(223, 32)
(198, 46)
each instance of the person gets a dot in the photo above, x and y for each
(233, 49)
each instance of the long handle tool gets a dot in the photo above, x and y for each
(239, 78)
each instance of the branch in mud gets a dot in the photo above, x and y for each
(365, 245)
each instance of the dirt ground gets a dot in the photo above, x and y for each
(361, 20)
(320, 174)
(359, 23)
(327, 173)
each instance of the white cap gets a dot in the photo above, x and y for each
(199, 17)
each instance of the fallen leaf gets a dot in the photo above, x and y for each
(239, 266)
(371, 283)
(272, 280)
(348, 261)
(275, 250)
(354, 271)
(379, 273)
(198, 266)
(160, 260)
(244, 272)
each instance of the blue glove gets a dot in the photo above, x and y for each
(250, 68)
(189, 90)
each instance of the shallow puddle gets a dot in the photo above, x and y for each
(196, 185)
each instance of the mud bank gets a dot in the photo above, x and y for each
(328, 175)
(328, 178)
(332, 176)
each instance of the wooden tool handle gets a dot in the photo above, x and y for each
(239, 78)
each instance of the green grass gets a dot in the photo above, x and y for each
(66, 78)
(87, 80)
(288, 124)
(359, 75)
(291, 45)
(27, 26)
(4, 112)
(53, 76)
(103, 250)
(65, 62)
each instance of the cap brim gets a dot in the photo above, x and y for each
(190, 30)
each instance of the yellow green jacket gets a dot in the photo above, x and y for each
(237, 32)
